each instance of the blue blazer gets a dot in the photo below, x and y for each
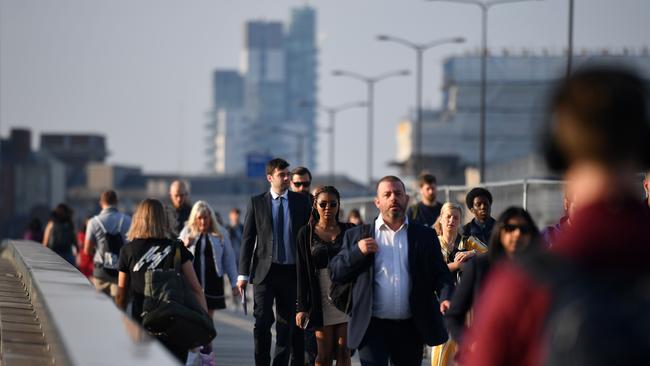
(429, 277)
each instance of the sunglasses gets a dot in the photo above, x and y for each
(524, 229)
(301, 184)
(324, 204)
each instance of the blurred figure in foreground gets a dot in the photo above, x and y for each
(646, 188)
(34, 230)
(586, 301)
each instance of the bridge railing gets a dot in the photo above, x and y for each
(80, 325)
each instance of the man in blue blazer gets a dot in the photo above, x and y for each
(399, 276)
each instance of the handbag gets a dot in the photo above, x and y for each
(171, 311)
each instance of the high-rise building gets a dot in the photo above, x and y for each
(517, 90)
(268, 107)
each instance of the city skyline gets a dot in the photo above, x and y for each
(131, 70)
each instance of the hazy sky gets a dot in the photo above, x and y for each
(140, 72)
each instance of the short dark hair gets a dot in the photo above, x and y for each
(496, 251)
(426, 178)
(274, 164)
(477, 192)
(301, 170)
(390, 178)
(235, 210)
(109, 197)
(607, 109)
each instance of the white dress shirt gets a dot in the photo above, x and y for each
(392, 283)
(275, 205)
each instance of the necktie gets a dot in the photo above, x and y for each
(279, 229)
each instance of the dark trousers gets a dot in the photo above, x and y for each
(279, 286)
(396, 340)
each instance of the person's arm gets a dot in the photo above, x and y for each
(302, 269)
(353, 257)
(461, 302)
(195, 286)
(47, 233)
(122, 282)
(229, 263)
(89, 241)
(249, 236)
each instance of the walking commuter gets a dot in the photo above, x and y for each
(213, 254)
(514, 232)
(235, 231)
(354, 217)
(34, 230)
(452, 242)
(180, 199)
(427, 210)
(105, 235)
(398, 275)
(267, 261)
(551, 234)
(59, 233)
(585, 301)
(84, 261)
(479, 203)
(149, 248)
(317, 243)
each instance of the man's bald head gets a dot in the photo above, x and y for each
(178, 193)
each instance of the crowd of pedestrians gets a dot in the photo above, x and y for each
(486, 292)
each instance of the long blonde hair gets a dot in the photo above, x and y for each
(437, 226)
(199, 208)
(149, 221)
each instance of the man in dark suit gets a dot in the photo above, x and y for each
(267, 260)
(398, 269)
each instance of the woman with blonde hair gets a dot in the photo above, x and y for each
(213, 254)
(452, 242)
(149, 248)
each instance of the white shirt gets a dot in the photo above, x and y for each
(392, 283)
(275, 206)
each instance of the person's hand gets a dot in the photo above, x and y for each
(463, 257)
(301, 318)
(444, 306)
(368, 245)
(235, 291)
(241, 285)
(188, 241)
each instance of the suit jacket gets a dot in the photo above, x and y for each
(428, 274)
(256, 252)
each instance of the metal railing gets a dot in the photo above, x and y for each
(542, 198)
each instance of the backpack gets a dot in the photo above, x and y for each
(340, 294)
(170, 308)
(594, 318)
(61, 238)
(108, 247)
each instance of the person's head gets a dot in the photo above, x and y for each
(35, 225)
(277, 173)
(233, 216)
(327, 204)
(62, 213)
(149, 221)
(391, 199)
(599, 118)
(108, 199)
(428, 186)
(513, 232)
(354, 217)
(202, 220)
(178, 193)
(449, 219)
(301, 180)
(479, 203)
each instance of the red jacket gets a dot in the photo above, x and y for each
(508, 326)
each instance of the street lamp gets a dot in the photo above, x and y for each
(419, 49)
(331, 113)
(370, 83)
(484, 6)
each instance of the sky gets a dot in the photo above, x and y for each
(140, 72)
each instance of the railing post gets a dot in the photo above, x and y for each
(447, 194)
(525, 195)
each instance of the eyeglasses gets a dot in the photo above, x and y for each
(301, 184)
(323, 204)
(524, 229)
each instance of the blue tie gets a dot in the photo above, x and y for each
(279, 227)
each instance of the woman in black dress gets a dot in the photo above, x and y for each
(317, 243)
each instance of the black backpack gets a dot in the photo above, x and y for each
(108, 247)
(170, 308)
(594, 318)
